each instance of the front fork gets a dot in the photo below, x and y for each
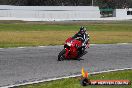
(67, 53)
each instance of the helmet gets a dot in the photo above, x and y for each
(82, 30)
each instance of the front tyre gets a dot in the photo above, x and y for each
(61, 55)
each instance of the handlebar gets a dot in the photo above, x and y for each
(79, 38)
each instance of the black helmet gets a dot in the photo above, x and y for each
(82, 30)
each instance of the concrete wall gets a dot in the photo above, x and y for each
(50, 12)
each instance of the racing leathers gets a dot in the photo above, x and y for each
(84, 39)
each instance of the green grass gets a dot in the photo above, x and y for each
(45, 27)
(36, 27)
(17, 33)
(125, 26)
(75, 82)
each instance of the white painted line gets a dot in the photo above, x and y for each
(93, 44)
(62, 45)
(111, 70)
(122, 43)
(52, 79)
(21, 47)
(41, 46)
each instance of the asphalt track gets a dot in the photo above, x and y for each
(21, 65)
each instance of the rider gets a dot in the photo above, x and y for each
(84, 37)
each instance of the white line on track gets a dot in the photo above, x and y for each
(62, 45)
(123, 43)
(52, 79)
(21, 47)
(41, 46)
(93, 44)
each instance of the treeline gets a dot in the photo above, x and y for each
(100, 3)
(46, 2)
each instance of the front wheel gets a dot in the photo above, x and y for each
(61, 55)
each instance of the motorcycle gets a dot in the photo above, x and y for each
(72, 49)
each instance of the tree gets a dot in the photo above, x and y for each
(101, 3)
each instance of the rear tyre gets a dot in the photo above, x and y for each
(61, 55)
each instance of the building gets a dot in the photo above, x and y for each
(123, 13)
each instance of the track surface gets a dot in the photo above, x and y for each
(37, 63)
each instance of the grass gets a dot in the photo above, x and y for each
(61, 27)
(36, 38)
(15, 34)
(75, 82)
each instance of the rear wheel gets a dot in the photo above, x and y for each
(61, 55)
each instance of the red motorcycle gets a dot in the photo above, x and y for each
(72, 49)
